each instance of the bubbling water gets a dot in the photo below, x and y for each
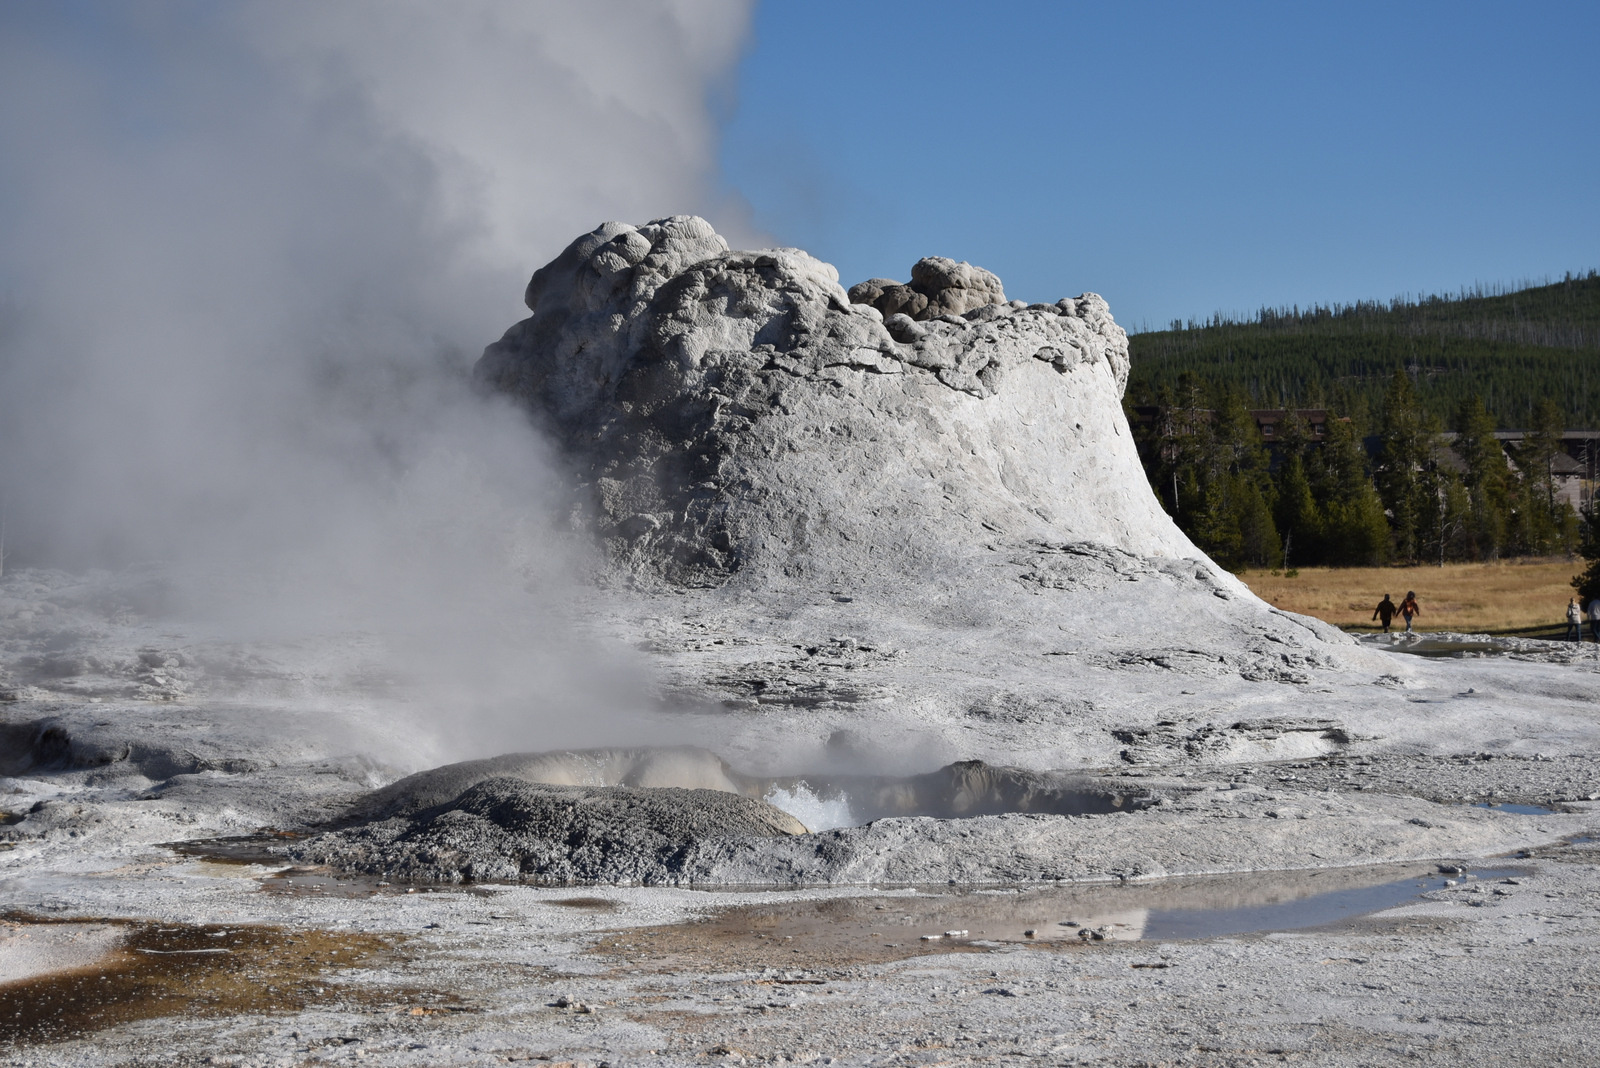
(817, 813)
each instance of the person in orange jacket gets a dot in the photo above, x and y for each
(1409, 608)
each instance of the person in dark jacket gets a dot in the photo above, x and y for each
(1384, 612)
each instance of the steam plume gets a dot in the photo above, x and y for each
(251, 251)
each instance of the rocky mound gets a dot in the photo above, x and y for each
(939, 286)
(683, 767)
(735, 414)
(964, 788)
(507, 830)
(910, 512)
(510, 830)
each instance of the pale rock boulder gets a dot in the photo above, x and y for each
(734, 414)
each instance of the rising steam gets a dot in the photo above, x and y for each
(251, 251)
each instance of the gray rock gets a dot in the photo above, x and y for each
(683, 767)
(939, 287)
(510, 830)
(955, 288)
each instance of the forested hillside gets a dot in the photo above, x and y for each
(1405, 492)
(1508, 349)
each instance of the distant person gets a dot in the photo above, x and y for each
(1410, 608)
(1384, 612)
(1574, 621)
(1594, 618)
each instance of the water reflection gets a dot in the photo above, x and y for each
(868, 928)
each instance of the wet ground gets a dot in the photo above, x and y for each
(165, 969)
(1226, 970)
(855, 930)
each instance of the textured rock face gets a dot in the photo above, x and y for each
(683, 767)
(510, 830)
(939, 286)
(735, 414)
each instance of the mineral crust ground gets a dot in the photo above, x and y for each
(892, 534)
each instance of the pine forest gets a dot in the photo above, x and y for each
(1432, 430)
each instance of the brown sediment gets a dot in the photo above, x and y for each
(166, 969)
(592, 904)
(803, 934)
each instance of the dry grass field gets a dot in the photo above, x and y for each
(1516, 596)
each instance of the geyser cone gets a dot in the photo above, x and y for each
(930, 532)
(733, 413)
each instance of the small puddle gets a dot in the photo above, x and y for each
(1431, 647)
(167, 969)
(1519, 810)
(244, 849)
(843, 931)
(1316, 910)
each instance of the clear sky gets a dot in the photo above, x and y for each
(249, 249)
(1178, 158)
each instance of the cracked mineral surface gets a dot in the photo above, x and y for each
(885, 556)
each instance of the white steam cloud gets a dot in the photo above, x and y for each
(250, 254)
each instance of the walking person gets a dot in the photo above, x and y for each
(1384, 612)
(1594, 619)
(1410, 608)
(1574, 621)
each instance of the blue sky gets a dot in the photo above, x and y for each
(1177, 158)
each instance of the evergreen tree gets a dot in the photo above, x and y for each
(1356, 534)
(1176, 449)
(1296, 515)
(1295, 510)
(1208, 464)
(1546, 424)
(1258, 534)
(1486, 480)
(1409, 439)
(1544, 524)
(1588, 583)
(1244, 480)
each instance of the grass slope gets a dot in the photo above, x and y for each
(1526, 596)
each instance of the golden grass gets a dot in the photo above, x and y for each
(1514, 595)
